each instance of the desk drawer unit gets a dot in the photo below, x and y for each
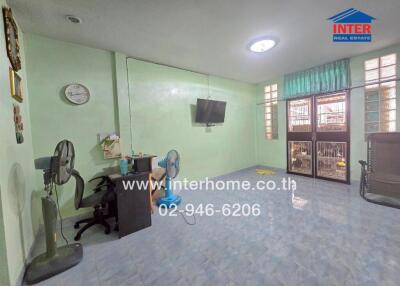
(134, 212)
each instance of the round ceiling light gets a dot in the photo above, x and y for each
(262, 45)
(73, 19)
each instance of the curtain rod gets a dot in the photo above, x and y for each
(335, 91)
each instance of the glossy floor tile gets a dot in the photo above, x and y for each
(322, 233)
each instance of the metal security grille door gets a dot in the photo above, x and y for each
(300, 136)
(318, 137)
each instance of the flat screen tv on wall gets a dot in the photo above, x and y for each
(210, 111)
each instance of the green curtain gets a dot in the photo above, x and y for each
(329, 77)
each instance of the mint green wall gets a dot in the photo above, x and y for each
(4, 277)
(124, 102)
(273, 152)
(51, 65)
(151, 106)
(163, 101)
(17, 183)
(147, 107)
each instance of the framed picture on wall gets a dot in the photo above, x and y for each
(15, 86)
(19, 126)
(12, 40)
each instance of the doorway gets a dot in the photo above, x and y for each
(318, 137)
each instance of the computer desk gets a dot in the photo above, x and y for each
(134, 205)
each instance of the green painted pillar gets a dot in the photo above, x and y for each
(123, 102)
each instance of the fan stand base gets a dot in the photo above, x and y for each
(56, 259)
(44, 267)
(169, 201)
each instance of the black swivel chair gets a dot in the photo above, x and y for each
(103, 202)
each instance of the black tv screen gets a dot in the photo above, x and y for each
(210, 111)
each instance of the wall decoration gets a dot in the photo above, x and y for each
(77, 93)
(111, 146)
(19, 126)
(16, 86)
(12, 40)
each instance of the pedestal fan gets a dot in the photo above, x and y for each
(171, 165)
(57, 171)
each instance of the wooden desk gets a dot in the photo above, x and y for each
(134, 211)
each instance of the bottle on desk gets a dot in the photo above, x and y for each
(123, 165)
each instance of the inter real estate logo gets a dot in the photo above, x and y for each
(351, 25)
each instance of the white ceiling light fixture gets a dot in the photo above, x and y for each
(262, 45)
(73, 19)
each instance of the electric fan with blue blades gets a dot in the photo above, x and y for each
(171, 165)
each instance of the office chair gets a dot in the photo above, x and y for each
(103, 202)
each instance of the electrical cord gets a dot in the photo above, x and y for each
(59, 214)
(129, 101)
(185, 219)
(184, 216)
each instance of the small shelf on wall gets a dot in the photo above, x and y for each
(110, 145)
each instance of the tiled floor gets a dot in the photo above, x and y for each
(321, 234)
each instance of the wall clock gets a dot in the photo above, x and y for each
(77, 93)
(12, 41)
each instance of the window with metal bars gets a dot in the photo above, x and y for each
(271, 111)
(380, 94)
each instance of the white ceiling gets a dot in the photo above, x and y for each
(211, 36)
